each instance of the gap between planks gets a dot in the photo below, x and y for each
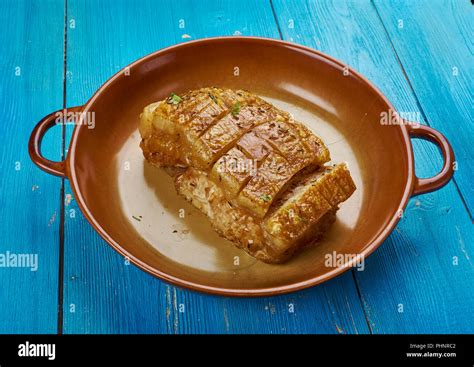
(62, 195)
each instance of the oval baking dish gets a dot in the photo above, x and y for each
(135, 209)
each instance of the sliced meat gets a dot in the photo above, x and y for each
(255, 172)
(299, 219)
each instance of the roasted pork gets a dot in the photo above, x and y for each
(258, 175)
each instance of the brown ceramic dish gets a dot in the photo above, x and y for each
(135, 209)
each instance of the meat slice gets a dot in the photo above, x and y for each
(299, 218)
(225, 132)
(306, 203)
(232, 171)
(254, 146)
(255, 172)
(261, 190)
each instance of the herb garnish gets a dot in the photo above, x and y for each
(213, 97)
(298, 219)
(174, 99)
(266, 198)
(236, 109)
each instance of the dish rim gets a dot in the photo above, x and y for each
(266, 291)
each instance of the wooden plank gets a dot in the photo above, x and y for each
(421, 279)
(433, 40)
(31, 86)
(110, 297)
(101, 293)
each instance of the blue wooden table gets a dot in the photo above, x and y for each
(57, 53)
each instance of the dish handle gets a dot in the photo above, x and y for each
(424, 185)
(34, 144)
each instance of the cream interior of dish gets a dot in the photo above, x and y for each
(182, 233)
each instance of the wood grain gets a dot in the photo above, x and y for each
(31, 86)
(110, 297)
(421, 279)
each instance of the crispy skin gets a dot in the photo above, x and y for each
(255, 172)
(201, 129)
(300, 217)
(305, 204)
